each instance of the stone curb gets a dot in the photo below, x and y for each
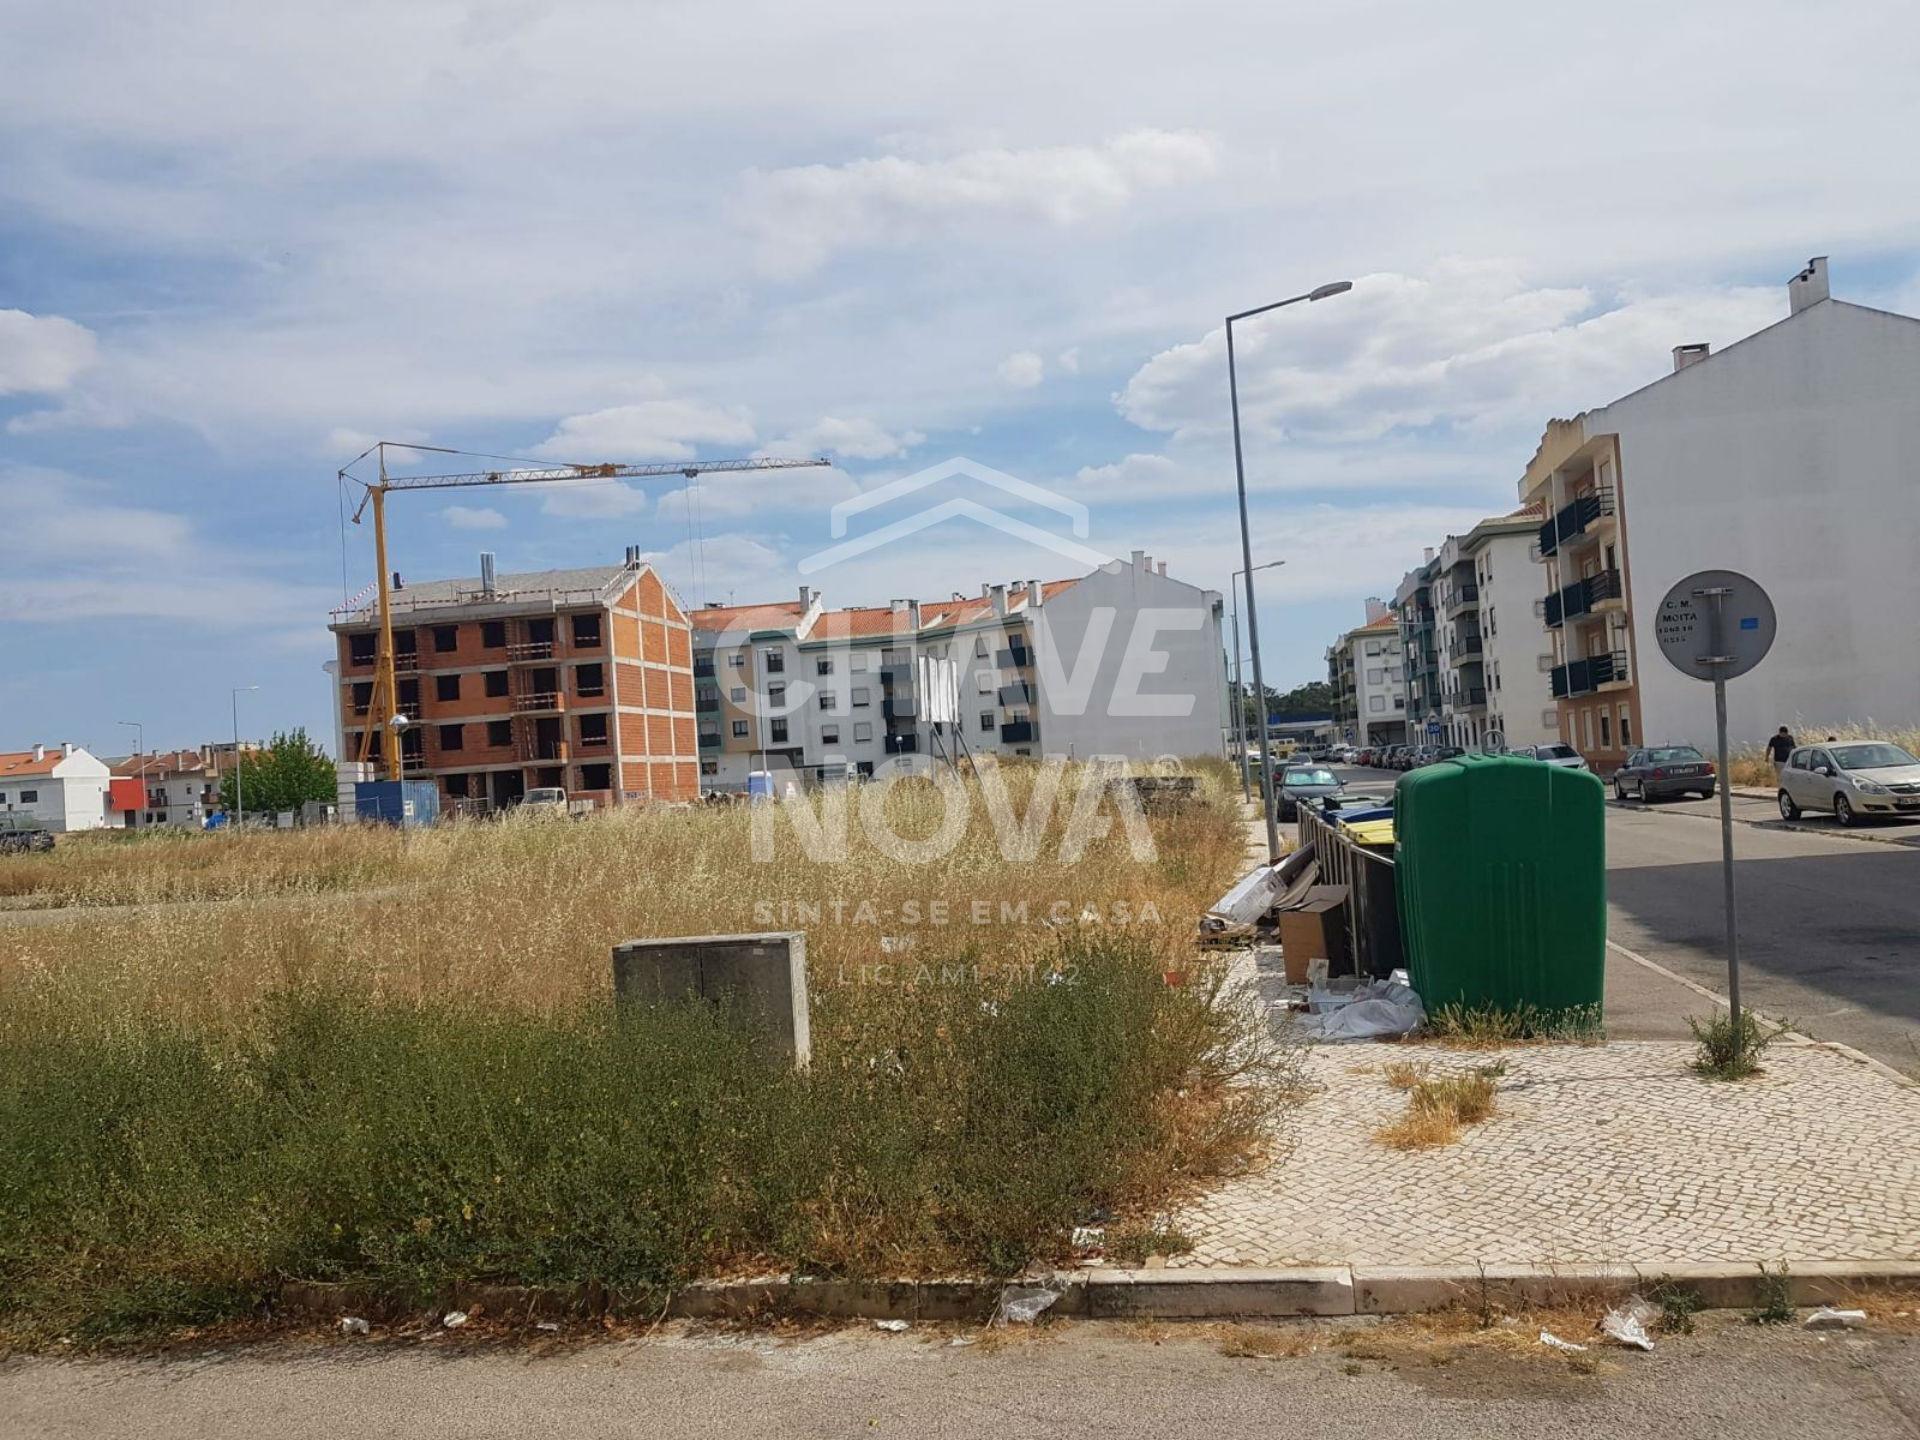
(1244, 1294)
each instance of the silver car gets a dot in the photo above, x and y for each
(1853, 779)
(1565, 756)
(1303, 784)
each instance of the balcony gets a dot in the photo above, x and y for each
(1575, 519)
(1016, 694)
(527, 651)
(902, 744)
(1017, 732)
(1013, 657)
(1465, 649)
(1471, 697)
(900, 707)
(1607, 668)
(1583, 677)
(1567, 603)
(703, 669)
(1605, 586)
(1462, 598)
(535, 701)
(704, 701)
(709, 739)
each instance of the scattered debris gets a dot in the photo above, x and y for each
(1828, 1318)
(1554, 1342)
(1379, 1007)
(960, 1340)
(454, 1319)
(353, 1325)
(547, 1325)
(1023, 1304)
(1089, 1237)
(1628, 1323)
(893, 1327)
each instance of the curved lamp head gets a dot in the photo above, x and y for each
(1322, 292)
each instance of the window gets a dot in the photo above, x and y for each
(445, 638)
(586, 632)
(499, 732)
(776, 663)
(1376, 702)
(776, 695)
(446, 687)
(829, 734)
(986, 719)
(1606, 731)
(453, 737)
(1586, 729)
(981, 647)
(29, 797)
(739, 729)
(496, 682)
(738, 694)
(1376, 675)
(862, 698)
(493, 634)
(456, 787)
(736, 661)
(360, 649)
(593, 731)
(823, 667)
(1626, 729)
(829, 700)
(589, 680)
(863, 731)
(779, 729)
(709, 767)
(596, 777)
(362, 696)
(409, 695)
(1373, 647)
(984, 680)
(864, 768)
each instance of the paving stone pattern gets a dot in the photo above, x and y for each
(1612, 1153)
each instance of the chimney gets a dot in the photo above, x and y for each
(486, 572)
(999, 599)
(986, 589)
(397, 582)
(1685, 355)
(1429, 556)
(1033, 594)
(913, 614)
(1139, 559)
(1161, 568)
(39, 753)
(66, 747)
(1809, 287)
(806, 598)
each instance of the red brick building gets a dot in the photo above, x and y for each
(575, 678)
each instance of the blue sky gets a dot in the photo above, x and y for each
(235, 247)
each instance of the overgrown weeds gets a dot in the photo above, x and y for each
(1131, 1245)
(1439, 1107)
(1774, 1297)
(1727, 1052)
(1489, 1027)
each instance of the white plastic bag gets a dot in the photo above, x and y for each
(454, 1319)
(1628, 1323)
(1379, 1007)
(353, 1325)
(1554, 1342)
(1828, 1318)
(893, 1327)
(1023, 1304)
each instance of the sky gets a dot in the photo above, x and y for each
(238, 244)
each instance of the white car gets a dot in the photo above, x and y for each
(545, 797)
(1565, 756)
(1853, 779)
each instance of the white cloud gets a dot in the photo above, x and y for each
(41, 354)
(593, 499)
(473, 517)
(855, 439)
(1069, 361)
(809, 494)
(1471, 345)
(1023, 370)
(805, 213)
(646, 430)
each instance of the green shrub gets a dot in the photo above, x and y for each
(1720, 1057)
(154, 1176)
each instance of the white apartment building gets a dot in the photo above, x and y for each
(1489, 640)
(177, 788)
(1125, 660)
(1367, 670)
(1787, 456)
(61, 786)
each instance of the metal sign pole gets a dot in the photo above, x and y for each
(1716, 596)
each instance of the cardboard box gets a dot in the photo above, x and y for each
(1316, 929)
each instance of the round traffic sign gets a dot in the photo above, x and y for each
(1715, 625)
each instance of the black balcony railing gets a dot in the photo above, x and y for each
(1017, 694)
(1583, 677)
(1017, 732)
(1462, 596)
(703, 669)
(1463, 646)
(709, 739)
(1471, 695)
(1012, 657)
(1607, 585)
(1607, 668)
(1575, 518)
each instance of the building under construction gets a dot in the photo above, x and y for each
(579, 679)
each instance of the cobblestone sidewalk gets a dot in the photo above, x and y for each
(1613, 1153)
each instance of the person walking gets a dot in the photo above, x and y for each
(1779, 747)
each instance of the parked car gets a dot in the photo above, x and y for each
(546, 797)
(1301, 784)
(1853, 780)
(1565, 756)
(20, 832)
(1396, 757)
(1444, 752)
(1345, 755)
(1662, 770)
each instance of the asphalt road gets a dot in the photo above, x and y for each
(1829, 919)
(1110, 1380)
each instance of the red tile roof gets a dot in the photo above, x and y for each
(21, 762)
(168, 762)
(773, 615)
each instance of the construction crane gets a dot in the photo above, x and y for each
(385, 699)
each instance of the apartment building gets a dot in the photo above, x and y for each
(1490, 645)
(1366, 670)
(577, 678)
(61, 786)
(180, 788)
(1417, 625)
(1126, 660)
(1787, 456)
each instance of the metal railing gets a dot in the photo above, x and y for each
(1371, 915)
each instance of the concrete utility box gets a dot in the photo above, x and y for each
(765, 975)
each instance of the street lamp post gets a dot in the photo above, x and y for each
(1239, 696)
(239, 778)
(1321, 292)
(140, 745)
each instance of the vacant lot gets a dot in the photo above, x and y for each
(394, 1059)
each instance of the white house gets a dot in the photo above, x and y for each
(64, 787)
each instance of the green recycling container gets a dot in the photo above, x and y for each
(1502, 883)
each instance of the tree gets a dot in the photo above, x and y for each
(289, 772)
(1312, 701)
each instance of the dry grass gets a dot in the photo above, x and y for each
(1751, 766)
(523, 911)
(1438, 1108)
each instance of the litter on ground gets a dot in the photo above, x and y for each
(1554, 1342)
(891, 1326)
(454, 1319)
(353, 1325)
(1828, 1318)
(1368, 1011)
(1023, 1304)
(1628, 1323)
